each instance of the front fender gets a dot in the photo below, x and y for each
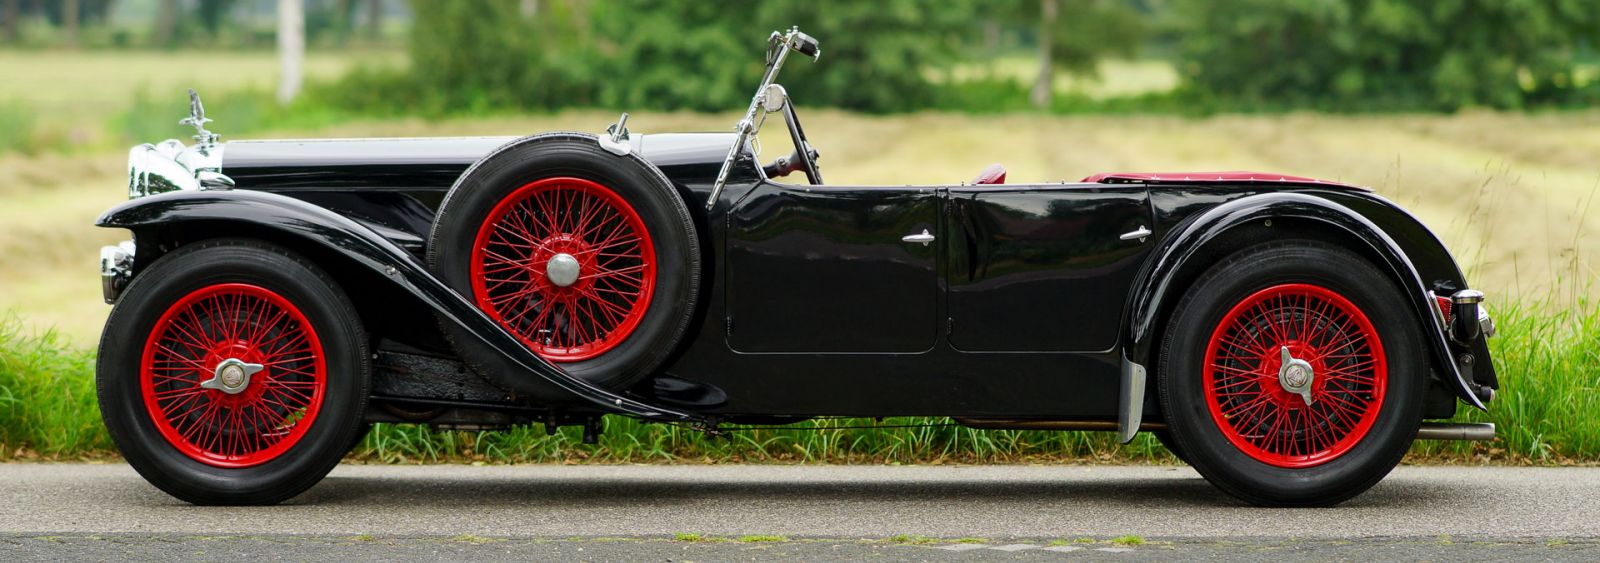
(1157, 284)
(316, 225)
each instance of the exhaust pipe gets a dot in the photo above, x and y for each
(1467, 431)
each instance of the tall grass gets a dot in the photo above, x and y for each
(1548, 412)
(47, 400)
(821, 441)
(1547, 355)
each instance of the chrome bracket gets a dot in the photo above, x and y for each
(1131, 403)
(615, 141)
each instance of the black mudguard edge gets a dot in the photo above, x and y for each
(318, 225)
(1154, 287)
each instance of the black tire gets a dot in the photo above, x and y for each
(1171, 443)
(194, 272)
(1294, 470)
(489, 196)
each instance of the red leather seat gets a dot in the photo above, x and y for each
(994, 174)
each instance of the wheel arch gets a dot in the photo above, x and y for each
(340, 243)
(1201, 239)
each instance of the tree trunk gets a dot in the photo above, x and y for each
(374, 18)
(166, 23)
(991, 36)
(1042, 89)
(291, 48)
(69, 22)
(530, 9)
(13, 11)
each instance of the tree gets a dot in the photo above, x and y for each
(166, 23)
(211, 13)
(374, 18)
(69, 22)
(1075, 35)
(8, 19)
(1044, 85)
(291, 48)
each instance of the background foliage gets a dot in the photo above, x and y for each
(888, 56)
(1391, 54)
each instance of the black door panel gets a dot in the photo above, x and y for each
(1043, 269)
(824, 269)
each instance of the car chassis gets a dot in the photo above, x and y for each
(1070, 306)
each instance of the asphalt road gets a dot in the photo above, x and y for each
(827, 512)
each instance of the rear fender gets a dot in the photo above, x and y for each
(1157, 286)
(298, 220)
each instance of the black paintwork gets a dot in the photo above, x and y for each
(1024, 305)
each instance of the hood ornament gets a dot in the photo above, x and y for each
(198, 120)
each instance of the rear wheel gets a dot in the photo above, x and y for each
(1291, 375)
(590, 259)
(232, 372)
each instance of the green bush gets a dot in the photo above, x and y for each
(1389, 54)
(664, 54)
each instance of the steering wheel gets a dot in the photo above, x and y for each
(803, 158)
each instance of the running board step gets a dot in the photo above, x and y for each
(1468, 431)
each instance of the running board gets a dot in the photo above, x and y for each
(1478, 432)
(1466, 431)
(1030, 424)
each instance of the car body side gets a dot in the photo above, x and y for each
(1027, 303)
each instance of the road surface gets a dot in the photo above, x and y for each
(806, 512)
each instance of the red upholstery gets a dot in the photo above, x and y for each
(994, 174)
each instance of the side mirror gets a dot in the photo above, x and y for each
(774, 98)
(806, 45)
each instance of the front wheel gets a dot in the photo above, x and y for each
(1292, 375)
(232, 372)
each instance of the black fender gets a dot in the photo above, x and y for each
(1157, 286)
(362, 246)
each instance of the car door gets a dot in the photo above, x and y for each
(1043, 268)
(828, 269)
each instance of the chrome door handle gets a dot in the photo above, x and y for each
(1140, 233)
(923, 237)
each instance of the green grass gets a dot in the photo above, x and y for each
(697, 538)
(762, 538)
(47, 400)
(1547, 355)
(1548, 412)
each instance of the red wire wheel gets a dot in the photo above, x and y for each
(1249, 397)
(566, 265)
(233, 375)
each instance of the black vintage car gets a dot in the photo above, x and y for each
(1285, 336)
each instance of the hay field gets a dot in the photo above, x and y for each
(1511, 194)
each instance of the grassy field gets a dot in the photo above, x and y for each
(1511, 194)
(62, 100)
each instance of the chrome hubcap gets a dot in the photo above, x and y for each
(232, 376)
(1296, 375)
(562, 269)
